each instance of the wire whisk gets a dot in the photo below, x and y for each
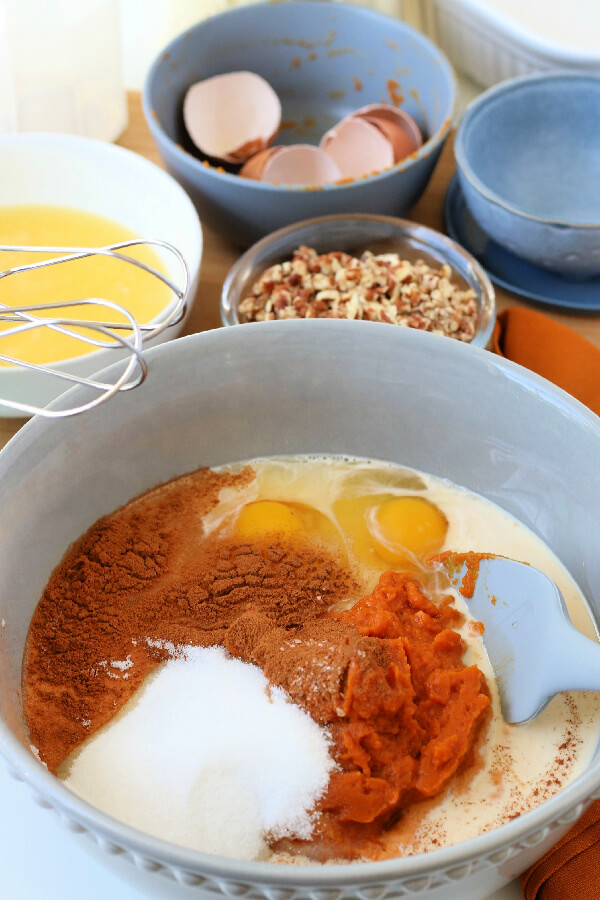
(128, 337)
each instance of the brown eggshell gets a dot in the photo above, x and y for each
(402, 141)
(300, 164)
(255, 166)
(230, 117)
(358, 147)
(398, 126)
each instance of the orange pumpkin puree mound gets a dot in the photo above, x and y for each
(453, 563)
(403, 729)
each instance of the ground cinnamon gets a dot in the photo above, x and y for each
(142, 573)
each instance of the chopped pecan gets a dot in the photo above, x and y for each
(379, 288)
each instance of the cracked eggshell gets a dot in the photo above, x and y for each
(255, 166)
(231, 117)
(397, 125)
(301, 164)
(358, 147)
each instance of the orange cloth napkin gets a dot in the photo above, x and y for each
(571, 869)
(564, 357)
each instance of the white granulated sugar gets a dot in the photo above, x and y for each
(36, 753)
(208, 756)
(122, 664)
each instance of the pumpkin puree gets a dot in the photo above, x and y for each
(405, 725)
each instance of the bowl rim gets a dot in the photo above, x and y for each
(424, 151)
(512, 85)
(38, 140)
(462, 856)
(487, 301)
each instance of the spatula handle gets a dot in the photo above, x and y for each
(575, 664)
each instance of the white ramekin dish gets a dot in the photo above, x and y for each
(102, 178)
(299, 387)
(490, 46)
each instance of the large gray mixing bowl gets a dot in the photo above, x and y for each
(300, 387)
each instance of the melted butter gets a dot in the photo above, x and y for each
(95, 277)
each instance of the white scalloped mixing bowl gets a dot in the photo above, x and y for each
(320, 386)
(101, 178)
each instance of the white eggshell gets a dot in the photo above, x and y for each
(300, 164)
(230, 117)
(358, 147)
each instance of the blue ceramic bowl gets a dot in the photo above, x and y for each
(528, 158)
(324, 60)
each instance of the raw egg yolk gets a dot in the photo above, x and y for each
(407, 527)
(267, 517)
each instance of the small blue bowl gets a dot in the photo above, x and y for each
(324, 60)
(528, 159)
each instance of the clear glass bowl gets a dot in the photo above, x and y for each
(354, 234)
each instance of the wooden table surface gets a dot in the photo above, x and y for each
(219, 254)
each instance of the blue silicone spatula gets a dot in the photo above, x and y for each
(534, 648)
